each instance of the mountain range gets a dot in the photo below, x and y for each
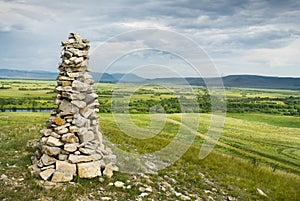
(241, 81)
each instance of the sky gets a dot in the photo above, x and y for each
(156, 38)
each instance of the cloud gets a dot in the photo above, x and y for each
(240, 36)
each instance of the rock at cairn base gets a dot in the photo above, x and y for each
(71, 145)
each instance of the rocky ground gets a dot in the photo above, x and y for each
(130, 187)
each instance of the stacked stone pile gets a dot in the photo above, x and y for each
(71, 145)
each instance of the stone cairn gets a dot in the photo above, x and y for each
(71, 145)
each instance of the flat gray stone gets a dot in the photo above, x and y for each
(80, 121)
(90, 98)
(66, 107)
(78, 103)
(85, 135)
(80, 86)
(66, 166)
(86, 112)
(89, 170)
(82, 158)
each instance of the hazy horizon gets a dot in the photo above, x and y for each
(154, 77)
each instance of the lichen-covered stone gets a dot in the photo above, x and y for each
(58, 121)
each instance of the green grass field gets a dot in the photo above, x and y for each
(234, 170)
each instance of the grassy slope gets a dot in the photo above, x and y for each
(229, 173)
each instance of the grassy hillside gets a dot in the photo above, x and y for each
(229, 172)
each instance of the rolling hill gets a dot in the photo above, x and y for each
(240, 81)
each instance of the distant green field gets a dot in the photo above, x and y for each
(27, 88)
(33, 95)
(272, 93)
(275, 120)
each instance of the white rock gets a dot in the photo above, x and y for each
(64, 78)
(142, 189)
(119, 184)
(185, 197)
(73, 74)
(143, 194)
(105, 198)
(4, 177)
(261, 192)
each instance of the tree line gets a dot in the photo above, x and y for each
(202, 103)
